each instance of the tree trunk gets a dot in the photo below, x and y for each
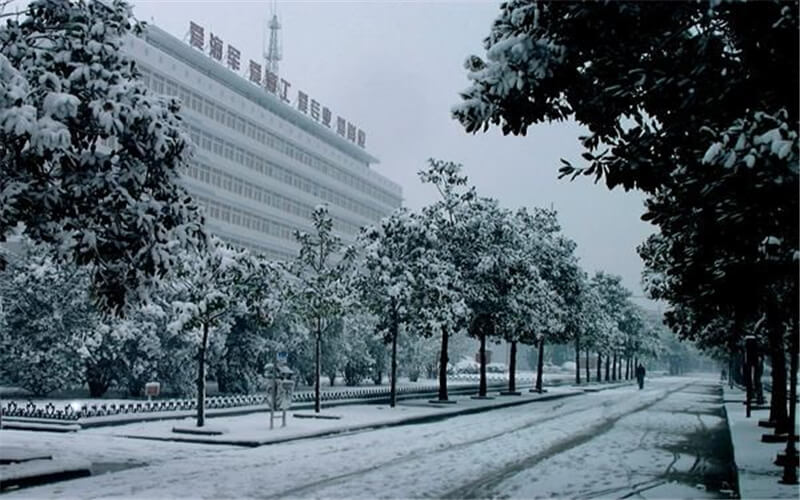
(777, 411)
(443, 360)
(587, 367)
(730, 372)
(789, 470)
(512, 368)
(317, 367)
(201, 378)
(608, 366)
(98, 384)
(614, 367)
(757, 385)
(577, 359)
(599, 376)
(627, 368)
(747, 374)
(482, 383)
(540, 365)
(393, 390)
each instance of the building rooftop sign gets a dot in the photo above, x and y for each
(271, 83)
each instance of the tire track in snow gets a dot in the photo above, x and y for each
(484, 486)
(587, 406)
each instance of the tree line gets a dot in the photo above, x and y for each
(120, 273)
(461, 266)
(695, 104)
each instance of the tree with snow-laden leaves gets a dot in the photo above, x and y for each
(645, 79)
(250, 345)
(484, 238)
(46, 316)
(209, 289)
(614, 298)
(529, 307)
(554, 257)
(696, 104)
(387, 282)
(477, 239)
(440, 306)
(319, 289)
(594, 325)
(89, 159)
(360, 342)
(76, 343)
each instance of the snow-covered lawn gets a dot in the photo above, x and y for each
(433, 459)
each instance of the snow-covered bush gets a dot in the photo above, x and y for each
(47, 316)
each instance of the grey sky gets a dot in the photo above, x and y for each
(395, 69)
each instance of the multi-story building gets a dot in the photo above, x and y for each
(261, 165)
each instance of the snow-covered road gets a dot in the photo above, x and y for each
(611, 443)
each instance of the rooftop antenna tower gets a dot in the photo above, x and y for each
(273, 53)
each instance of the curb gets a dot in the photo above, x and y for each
(730, 438)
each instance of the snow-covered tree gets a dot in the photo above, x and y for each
(444, 296)
(710, 136)
(250, 345)
(388, 282)
(149, 351)
(89, 159)
(594, 325)
(358, 330)
(614, 297)
(47, 315)
(529, 307)
(554, 257)
(208, 290)
(319, 289)
(417, 354)
(439, 308)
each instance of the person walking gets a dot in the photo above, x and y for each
(640, 372)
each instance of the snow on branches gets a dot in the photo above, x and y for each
(89, 159)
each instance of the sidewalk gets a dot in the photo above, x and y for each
(58, 415)
(253, 430)
(758, 476)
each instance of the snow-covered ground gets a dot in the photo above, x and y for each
(598, 444)
(758, 476)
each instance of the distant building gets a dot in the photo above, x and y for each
(261, 164)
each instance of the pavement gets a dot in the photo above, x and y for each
(29, 466)
(251, 432)
(669, 440)
(758, 476)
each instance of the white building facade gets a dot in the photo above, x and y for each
(260, 165)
